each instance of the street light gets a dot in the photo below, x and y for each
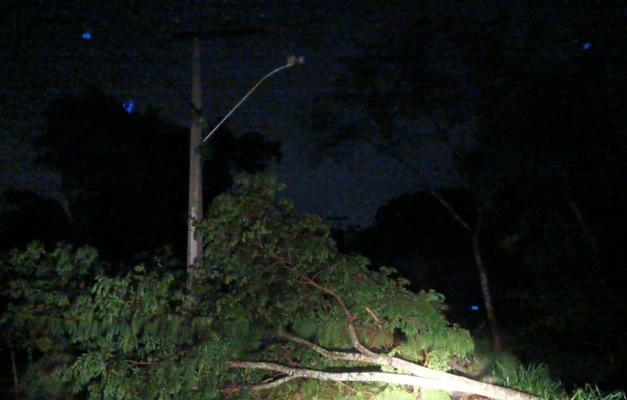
(291, 61)
(194, 246)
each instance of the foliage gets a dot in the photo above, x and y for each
(111, 337)
(141, 335)
(537, 379)
(276, 295)
(593, 393)
(261, 251)
(141, 341)
(40, 287)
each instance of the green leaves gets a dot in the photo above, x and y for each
(277, 268)
(137, 327)
(40, 287)
(267, 269)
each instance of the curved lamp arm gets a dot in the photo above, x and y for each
(291, 61)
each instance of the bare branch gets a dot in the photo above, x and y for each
(374, 316)
(371, 358)
(450, 208)
(479, 388)
(379, 325)
(272, 384)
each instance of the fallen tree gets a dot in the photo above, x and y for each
(295, 255)
(274, 308)
(414, 374)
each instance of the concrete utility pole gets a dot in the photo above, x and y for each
(194, 241)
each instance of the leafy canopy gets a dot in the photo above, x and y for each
(269, 274)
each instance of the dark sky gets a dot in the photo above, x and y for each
(131, 56)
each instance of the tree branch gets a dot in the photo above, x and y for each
(422, 376)
(268, 385)
(367, 355)
(350, 318)
(479, 388)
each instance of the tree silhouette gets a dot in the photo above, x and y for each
(526, 100)
(27, 216)
(125, 174)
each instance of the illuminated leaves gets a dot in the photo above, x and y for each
(268, 273)
(263, 252)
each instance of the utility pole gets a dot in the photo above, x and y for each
(196, 34)
(195, 212)
(194, 240)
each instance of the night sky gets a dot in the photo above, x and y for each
(130, 55)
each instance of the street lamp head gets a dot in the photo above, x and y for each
(293, 60)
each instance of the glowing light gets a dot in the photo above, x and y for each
(129, 106)
(586, 45)
(86, 35)
(474, 308)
